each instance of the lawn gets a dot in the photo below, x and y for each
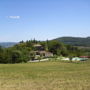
(45, 76)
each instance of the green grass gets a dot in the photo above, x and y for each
(45, 76)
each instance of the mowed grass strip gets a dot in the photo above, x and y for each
(45, 76)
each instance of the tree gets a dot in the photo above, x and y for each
(16, 56)
(1, 54)
(55, 47)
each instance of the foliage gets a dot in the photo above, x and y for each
(75, 41)
(21, 52)
(16, 56)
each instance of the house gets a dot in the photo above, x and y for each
(46, 54)
(40, 52)
(38, 47)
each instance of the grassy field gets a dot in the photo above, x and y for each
(45, 76)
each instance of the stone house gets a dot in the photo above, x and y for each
(40, 52)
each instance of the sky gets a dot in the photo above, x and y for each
(43, 19)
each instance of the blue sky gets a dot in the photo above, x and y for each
(43, 19)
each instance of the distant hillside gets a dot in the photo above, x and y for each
(75, 41)
(7, 44)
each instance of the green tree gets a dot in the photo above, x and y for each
(55, 47)
(16, 56)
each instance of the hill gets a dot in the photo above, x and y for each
(75, 41)
(7, 44)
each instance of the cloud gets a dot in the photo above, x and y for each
(14, 17)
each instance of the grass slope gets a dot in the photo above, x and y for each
(45, 76)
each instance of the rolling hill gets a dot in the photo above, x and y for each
(7, 44)
(75, 41)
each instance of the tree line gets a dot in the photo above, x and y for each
(21, 51)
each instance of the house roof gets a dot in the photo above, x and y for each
(84, 56)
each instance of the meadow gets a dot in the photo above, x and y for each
(56, 75)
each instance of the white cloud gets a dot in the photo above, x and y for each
(14, 17)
